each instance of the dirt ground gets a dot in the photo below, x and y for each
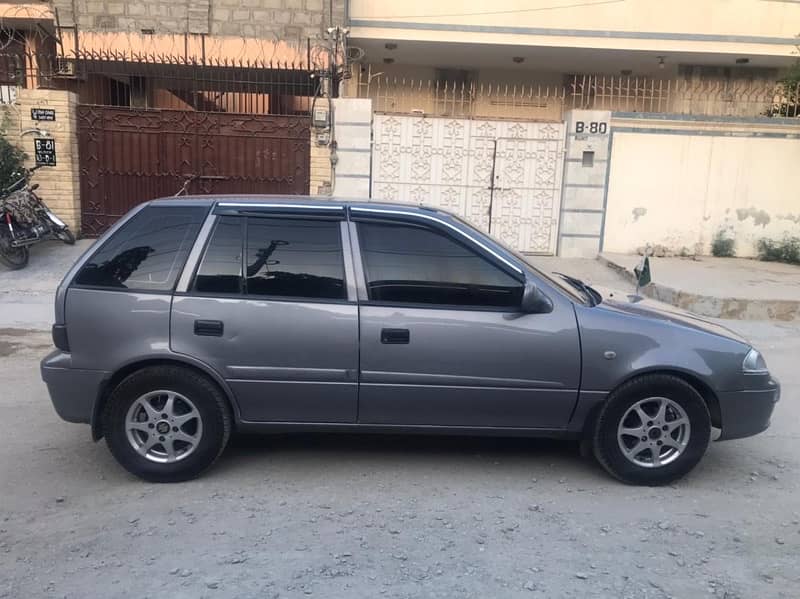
(347, 516)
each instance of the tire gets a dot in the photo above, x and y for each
(655, 457)
(13, 258)
(66, 236)
(127, 420)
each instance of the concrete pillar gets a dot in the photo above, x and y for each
(59, 186)
(352, 120)
(585, 182)
(320, 166)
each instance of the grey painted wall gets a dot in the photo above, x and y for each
(289, 20)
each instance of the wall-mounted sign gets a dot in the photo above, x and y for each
(44, 150)
(43, 114)
(593, 127)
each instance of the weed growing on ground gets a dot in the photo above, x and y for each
(784, 250)
(723, 246)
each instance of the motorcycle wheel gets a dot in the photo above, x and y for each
(13, 258)
(66, 236)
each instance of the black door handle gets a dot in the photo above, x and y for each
(395, 336)
(209, 328)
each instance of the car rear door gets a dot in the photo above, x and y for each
(270, 308)
(443, 341)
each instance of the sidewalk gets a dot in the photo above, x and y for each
(27, 295)
(735, 288)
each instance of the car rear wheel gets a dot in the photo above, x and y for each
(166, 423)
(652, 430)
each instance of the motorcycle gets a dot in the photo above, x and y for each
(26, 220)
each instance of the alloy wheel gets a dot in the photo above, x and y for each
(653, 432)
(163, 426)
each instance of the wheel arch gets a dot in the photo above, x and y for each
(119, 375)
(696, 382)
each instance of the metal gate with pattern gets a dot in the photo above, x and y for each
(450, 163)
(129, 156)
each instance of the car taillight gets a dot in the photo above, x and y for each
(60, 339)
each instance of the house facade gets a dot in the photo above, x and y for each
(153, 97)
(562, 127)
(575, 127)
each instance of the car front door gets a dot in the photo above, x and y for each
(269, 309)
(443, 341)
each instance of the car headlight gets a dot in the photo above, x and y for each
(754, 363)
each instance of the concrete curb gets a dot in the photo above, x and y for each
(708, 305)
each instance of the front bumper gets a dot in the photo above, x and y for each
(72, 391)
(748, 412)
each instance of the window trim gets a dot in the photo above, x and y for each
(168, 292)
(406, 217)
(190, 290)
(281, 210)
(364, 285)
(450, 307)
(292, 299)
(196, 254)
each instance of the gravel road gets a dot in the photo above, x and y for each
(347, 516)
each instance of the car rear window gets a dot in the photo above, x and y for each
(147, 253)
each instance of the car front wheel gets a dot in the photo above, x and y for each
(166, 423)
(652, 430)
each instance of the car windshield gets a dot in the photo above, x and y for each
(558, 281)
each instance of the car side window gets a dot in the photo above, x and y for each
(147, 253)
(284, 257)
(411, 264)
(295, 258)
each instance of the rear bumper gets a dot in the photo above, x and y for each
(72, 391)
(746, 413)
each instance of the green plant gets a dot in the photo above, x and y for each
(723, 246)
(11, 162)
(784, 250)
(788, 102)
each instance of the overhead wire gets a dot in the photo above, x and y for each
(496, 12)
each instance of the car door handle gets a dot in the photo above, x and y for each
(395, 336)
(209, 328)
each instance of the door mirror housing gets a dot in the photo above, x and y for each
(534, 301)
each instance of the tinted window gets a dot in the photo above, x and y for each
(148, 252)
(221, 268)
(294, 258)
(409, 264)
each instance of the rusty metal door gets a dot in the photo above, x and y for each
(503, 176)
(129, 156)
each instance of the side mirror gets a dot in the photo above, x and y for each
(534, 301)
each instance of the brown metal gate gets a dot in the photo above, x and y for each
(129, 156)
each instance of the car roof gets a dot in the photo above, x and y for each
(310, 201)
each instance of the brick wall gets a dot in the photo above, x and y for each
(288, 20)
(58, 185)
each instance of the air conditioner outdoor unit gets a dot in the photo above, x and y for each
(65, 68)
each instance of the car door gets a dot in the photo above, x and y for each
(269, 309)
(443, 341)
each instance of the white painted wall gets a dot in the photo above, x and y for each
(352, 120)
(678, 190)
(674, 26)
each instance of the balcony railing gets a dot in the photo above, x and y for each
(472, 99)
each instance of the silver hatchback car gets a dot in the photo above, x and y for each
(194, 318)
